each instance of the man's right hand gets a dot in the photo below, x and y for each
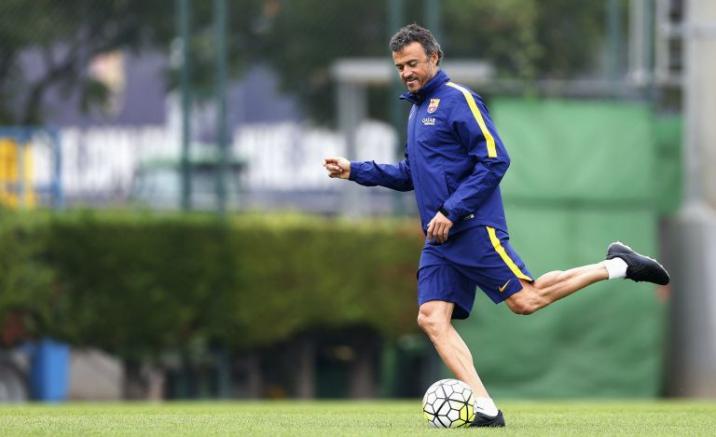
(337, 167)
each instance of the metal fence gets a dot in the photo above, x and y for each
(132, 91)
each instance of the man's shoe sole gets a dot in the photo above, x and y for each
(482, 421)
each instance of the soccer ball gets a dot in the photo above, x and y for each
(449, 403)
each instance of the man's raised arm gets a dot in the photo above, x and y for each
(368, 173)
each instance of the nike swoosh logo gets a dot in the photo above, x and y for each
(504, 286)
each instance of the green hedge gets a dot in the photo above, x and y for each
(138, 284)
(26, 303)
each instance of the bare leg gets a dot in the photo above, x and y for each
(434, 318)
(553, 286)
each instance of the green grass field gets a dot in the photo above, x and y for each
(351, 418)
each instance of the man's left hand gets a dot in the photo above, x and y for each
(438, 228)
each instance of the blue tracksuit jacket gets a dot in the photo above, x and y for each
(454, 158)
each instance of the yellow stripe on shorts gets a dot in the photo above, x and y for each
(491, 151)
(503, 254)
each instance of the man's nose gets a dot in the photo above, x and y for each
(406, 73)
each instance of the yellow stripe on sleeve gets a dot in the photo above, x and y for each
(503, 254)
(491, 151)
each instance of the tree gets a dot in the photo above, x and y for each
(67, 35)
(523, 39)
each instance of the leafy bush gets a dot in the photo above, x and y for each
(137, 284)
(26, 294)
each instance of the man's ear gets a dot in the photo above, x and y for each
(434, 59)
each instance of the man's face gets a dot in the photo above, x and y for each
(414, 66)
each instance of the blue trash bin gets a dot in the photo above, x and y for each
(49, 371)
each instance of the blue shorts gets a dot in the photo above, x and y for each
(477, 257)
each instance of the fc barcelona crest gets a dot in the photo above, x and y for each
(433, 106)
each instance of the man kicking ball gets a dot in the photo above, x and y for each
(455, 161)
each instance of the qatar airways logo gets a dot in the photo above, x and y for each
(428, 121)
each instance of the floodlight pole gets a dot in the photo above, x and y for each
(184, 25)
(614, 22)
(58, 198)
(220, 13)
(641, 38)
(432, 12)
(691, 235)
(352, 108)
(398, 109)
(396, 16)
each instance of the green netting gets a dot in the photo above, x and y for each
(583, 174)
(605, 341)
(669, 170)
(577, 150)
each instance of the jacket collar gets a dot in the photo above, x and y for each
(433, 84)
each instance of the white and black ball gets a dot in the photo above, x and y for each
(449, 403)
